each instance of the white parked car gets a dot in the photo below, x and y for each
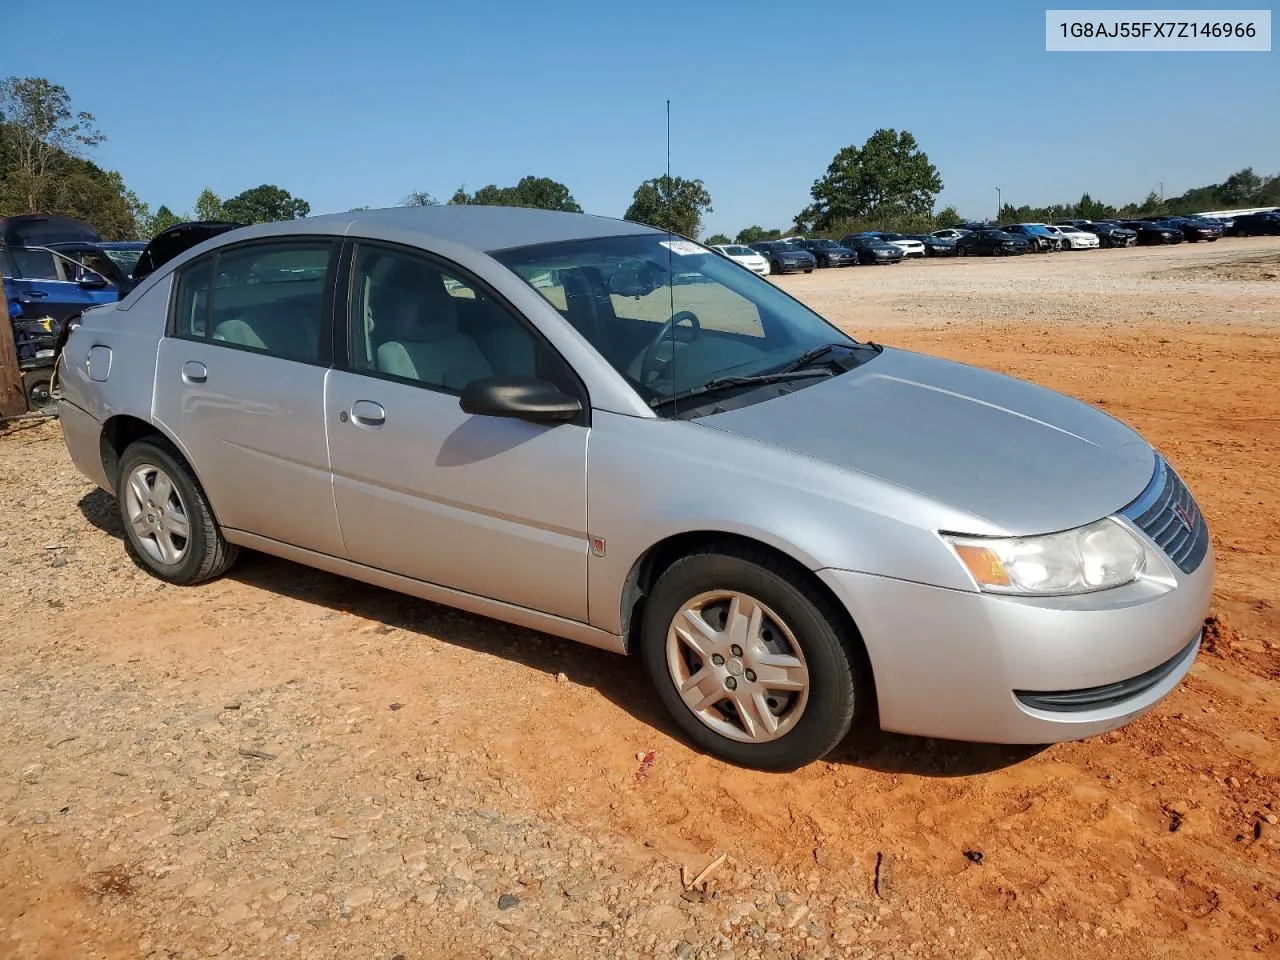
(909, 245)
(1074, 238)
(745, 256)
(950, 233)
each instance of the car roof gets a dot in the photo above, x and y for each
(479, 227)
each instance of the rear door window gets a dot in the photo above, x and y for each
(268, 298)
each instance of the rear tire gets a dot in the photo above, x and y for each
(784, 690)
(169, 526)
(38, 386)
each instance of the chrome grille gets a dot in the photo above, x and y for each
(1169, 515)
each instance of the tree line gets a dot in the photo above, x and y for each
(886, 183)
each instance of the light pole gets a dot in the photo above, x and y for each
(1162, 191)
(999, 204)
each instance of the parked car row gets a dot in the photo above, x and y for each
(801, 254)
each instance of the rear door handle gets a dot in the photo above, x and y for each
(193, 371)
(366, 413)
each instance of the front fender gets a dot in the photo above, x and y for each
(649, 480)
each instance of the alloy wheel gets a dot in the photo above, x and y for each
(737, 666)
(158, 517)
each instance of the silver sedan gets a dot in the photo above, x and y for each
(609, 433)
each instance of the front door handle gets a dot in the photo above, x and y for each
(366, 413)
(34, 295)
(193, 371)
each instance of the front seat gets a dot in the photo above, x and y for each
(427, 344)
(589, 308)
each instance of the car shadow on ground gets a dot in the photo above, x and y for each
(620, 679)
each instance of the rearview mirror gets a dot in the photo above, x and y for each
(521, 398)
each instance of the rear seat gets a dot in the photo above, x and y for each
(286, 329)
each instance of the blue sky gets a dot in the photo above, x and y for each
(347, 104)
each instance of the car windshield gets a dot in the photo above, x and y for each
(126, 260)
(620, 293)
(1037, 228)
(825, 244)
(787, 245)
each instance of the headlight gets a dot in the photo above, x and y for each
(1102, 555)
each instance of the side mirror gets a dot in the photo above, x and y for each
(521, 398)
(94, 283)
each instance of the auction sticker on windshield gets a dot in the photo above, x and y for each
(682, 247)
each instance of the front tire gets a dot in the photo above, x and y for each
(168, 523)
(752, 661)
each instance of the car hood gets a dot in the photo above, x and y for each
(175, 241)
(1018, 456)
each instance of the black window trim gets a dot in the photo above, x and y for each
(325, 355)
(343, 317)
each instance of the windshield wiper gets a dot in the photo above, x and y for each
(817, 353)
(727, 383)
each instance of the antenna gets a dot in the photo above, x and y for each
(671, 275)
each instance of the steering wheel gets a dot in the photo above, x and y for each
(651, 362)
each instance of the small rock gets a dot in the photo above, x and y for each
(796, 914)
(507, 901)
(1232, 782)
(1270, 818)
(358, 897)
(782, 897)
(395, 706)
(974, 856)
(685, 950)
(233, 705)
(562, 678)
(693, 896)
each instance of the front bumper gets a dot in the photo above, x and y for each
(982, 667)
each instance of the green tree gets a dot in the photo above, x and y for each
(670, 203)
(541, 193)
(264, 204)
(888, 177)
(417, 198)
(947, 217)
(40, 130)
(717, 239)
(141, 213)
(1269, 194)
(1152, 205)
(209, 206)
(755, 233)
(1242, 188)
(1091, 209)
(164, 219)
